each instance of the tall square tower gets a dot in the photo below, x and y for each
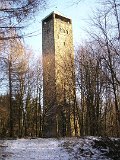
(58, 74)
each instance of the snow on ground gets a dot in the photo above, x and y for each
(82, 149)
(33, 149)
(51, 149)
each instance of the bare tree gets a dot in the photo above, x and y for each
(13, 14)
(107, 22)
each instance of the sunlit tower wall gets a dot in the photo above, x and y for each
(58, 76)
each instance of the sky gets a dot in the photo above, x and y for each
(80, 14)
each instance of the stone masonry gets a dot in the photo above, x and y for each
(58, 75)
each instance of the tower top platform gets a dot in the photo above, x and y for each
(56, 14)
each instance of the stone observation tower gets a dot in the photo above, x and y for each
(58, 76)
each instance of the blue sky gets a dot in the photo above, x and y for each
(79, 13)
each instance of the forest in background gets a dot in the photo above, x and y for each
(97, 77)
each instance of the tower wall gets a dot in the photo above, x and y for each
(64, 56)
(58, 75)
(48, 48)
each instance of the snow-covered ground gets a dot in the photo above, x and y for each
(50, 149)
(33, 149)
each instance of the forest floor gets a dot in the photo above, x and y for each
(86, 148)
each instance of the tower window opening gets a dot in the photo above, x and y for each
(64, 43)
(69, 22)
(62, 30)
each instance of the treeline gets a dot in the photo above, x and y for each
(21, 85)
(98, 74)
(96, 108)
(17, 83)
